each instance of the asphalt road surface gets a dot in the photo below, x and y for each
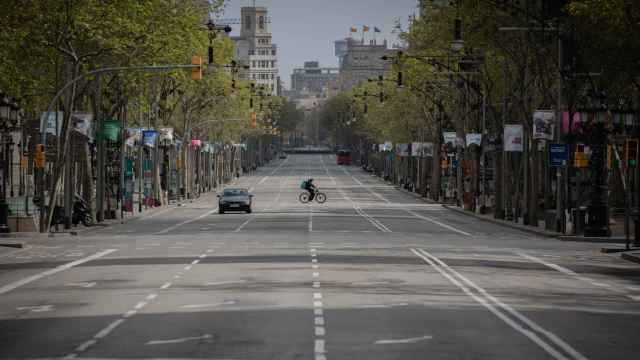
(374, 274)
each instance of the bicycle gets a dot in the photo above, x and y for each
(320, 197)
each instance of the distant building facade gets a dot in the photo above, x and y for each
(313, 80)
(359, 61)
(254, 48)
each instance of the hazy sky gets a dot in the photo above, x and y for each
(306, 29)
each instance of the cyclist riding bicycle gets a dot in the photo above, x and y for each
(311, 188)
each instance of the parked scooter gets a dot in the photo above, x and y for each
(81, 213)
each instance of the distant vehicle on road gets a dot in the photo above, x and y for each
(283, 155)
(343, 157)
(235, 200)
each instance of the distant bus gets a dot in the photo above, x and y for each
(344, 157)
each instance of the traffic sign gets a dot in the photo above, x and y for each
(558, 155)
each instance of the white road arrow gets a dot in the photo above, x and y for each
(36, 309)
(82, 284)
(403, 341)
(178, 341)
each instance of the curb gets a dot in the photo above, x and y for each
(15, 245)
(604, 240)
(633, 257)
(544, 233)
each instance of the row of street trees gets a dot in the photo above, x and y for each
(48, 45)
(486, 93)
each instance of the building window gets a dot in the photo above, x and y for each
(247, 22)
(254, 76)
(253, 63)
(252, 52)
(273, 52)
(273, 64)
(261, 22)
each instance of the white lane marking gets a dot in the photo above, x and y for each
(403, 341)
(317, 296)
(320, 331)
(218, 283)
(203, 256)
(178, 341)
(86, 345)
(140, 305)
(316, 284)
(315, 274)
(129, 314)
(634, 297)
(82, 284)
(492, 304)
(36, 309)
(188, 267)
(171, 228)
(263, 180)
(633, 288)
(201, 306)
(314, 261)
(317, 304)
(319, 347)
(210, 250)
(106, 331)
(449, 227)
(239, 228)
(319, 320)
(312, 250)
(318, 312)
(16, 284)
(315, 267)
(382, 306)
(151, 297)
(572, 273)
(165, 286)
(195, 262)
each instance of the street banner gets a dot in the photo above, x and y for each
(513, 141)
(82, 123)
(133, 137)
(558, 155)
(427, 149)
(416, 149)
(575, 124)
(129, 185)
(196, 142)
(387, 146)
(51, 122)
(111, 129)
(450, 138)
(402, 150)
(544, 122)
(149, 137)
(165, 135)
(474, 138)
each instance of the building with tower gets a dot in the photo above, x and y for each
(254, 48)
(360, 61)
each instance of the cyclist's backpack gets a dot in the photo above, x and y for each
(303, 184)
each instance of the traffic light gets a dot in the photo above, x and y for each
(196, 72)
(631, 152)
(40, 156)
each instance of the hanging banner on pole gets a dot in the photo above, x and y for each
(513, 141)
(134, 137)
(165, 135)
(82, 123)
(450, 138)
(51, 122)
(544, 123)
(474, 138)
(149, 137)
